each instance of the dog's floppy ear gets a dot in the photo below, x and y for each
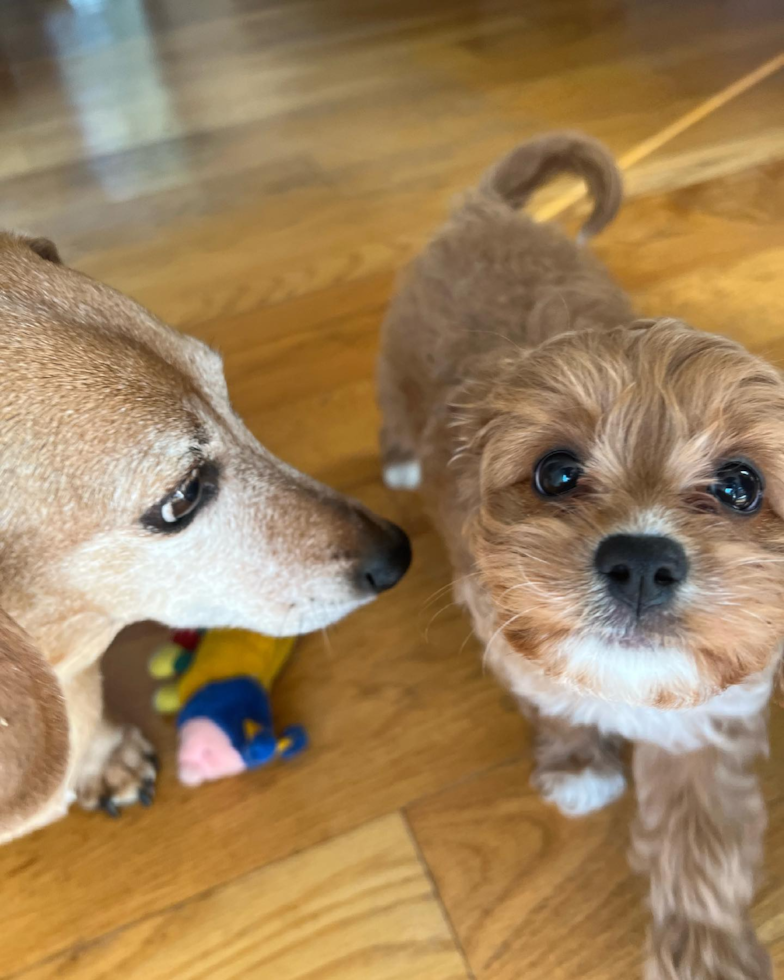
(778, 685)
(44, 248)
(33, 729)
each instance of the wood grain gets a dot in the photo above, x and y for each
(258, 173)
(359, 906)
(684, 125)
(533, 894)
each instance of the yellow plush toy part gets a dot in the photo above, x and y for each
(220, 683)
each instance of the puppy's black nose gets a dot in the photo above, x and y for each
(641, 570)
(386, 561)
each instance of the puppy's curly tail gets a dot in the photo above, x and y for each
(517, 175)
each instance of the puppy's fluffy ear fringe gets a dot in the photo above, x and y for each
(470, 418)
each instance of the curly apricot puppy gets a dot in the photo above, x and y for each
(612, 494)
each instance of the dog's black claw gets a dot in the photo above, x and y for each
(145, 798)
(107, 804)
(155, 762)
(147, 792)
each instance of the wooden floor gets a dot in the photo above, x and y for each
(257, 172)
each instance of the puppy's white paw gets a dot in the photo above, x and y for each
(403, 476)
(578, 793)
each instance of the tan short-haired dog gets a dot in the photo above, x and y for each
(129, 489)
(612, 494)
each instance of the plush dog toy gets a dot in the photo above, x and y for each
(220, 682)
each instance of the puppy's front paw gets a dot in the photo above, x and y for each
(577, 793)
(403, 474)
(119, 769)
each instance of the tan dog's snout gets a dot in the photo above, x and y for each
(367, 552)
(353, 553)
(384, 557)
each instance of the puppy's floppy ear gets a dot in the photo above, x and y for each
(33, 729)
(45, 249)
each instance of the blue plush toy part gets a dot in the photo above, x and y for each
(241, 707)
(220, 680)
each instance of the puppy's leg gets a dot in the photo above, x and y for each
(699, 837)
(401, 467)
(115, 764)
(577, 768)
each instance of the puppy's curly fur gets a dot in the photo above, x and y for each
(507, 341)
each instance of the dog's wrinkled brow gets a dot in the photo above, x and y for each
(200, 438)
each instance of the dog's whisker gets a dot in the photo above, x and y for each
(443, 609)
(327, 643)
(501, 629)
(436, 595)
(469, 636)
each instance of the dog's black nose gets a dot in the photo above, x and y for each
(641, 570)
(386, 561)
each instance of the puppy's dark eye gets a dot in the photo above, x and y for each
(184, 500)
(557, 473)
(738, 486)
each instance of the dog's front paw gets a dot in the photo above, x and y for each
(119, 768)
(681, 950)
(579, 792)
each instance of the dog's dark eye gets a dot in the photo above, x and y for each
(738, 486)
(178, 508)
(557, 473)
(184, 500)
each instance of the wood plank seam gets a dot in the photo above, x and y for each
(437, 892)
(196, 896)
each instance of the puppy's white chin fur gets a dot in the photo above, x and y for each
(683, 730)
(632, 675)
